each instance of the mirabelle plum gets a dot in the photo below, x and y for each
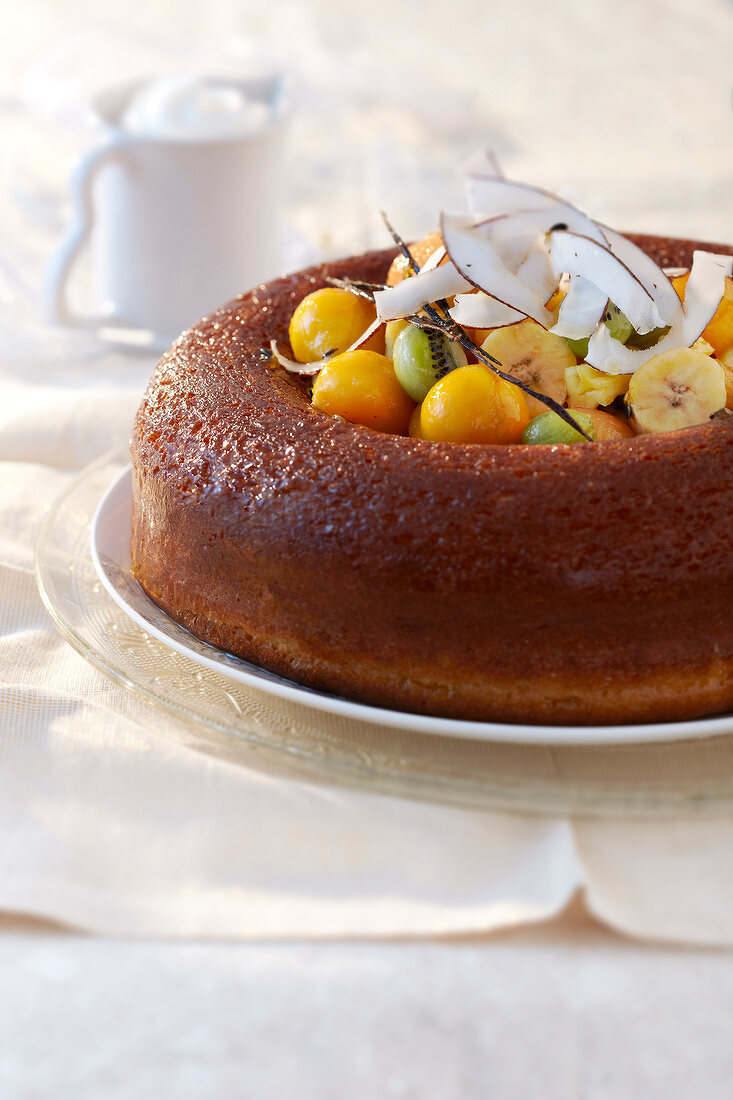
(414, 428)
(362, 387)
(331, 319)
(473, 405)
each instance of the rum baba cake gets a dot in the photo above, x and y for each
(539, 581)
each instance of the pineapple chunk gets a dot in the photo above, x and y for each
(589, 388)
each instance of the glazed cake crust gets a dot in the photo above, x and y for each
(587, 584)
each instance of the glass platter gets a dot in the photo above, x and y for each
(342, 743)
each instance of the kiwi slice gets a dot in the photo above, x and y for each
(550, 428)
(617, 324)
(422, 357)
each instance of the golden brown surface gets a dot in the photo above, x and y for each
(548, 585)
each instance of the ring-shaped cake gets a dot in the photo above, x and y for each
(551, 584)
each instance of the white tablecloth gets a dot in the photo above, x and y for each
(111, 828)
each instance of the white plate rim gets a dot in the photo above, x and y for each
(108, 534)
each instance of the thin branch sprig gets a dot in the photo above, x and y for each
(441, 320)
(358, 287)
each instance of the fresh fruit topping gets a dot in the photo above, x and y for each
(647, 339)
(331, 320)
(515, 248)
(518, 289)
(549, 428)
(675, 389)
(606, 425)
(617, 324)
(362, 387)
(414, 431)
(473, 405)
(703, 294)
(422, 357)
(438, 318)
(534, 356)
(576, 254)
(588, 387)
(719, 332)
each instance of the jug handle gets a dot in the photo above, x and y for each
(59, 268)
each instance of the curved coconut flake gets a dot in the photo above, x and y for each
(434, 258)
(703, 294)
(307, 370)
(479, 310)
(489, 196)
(578, 255)
(513, 237)
(649, 274)
(536, 271)
(476, 258)
(581, 309)
(484, 162)
(705, 287)
(412, 294)
(376, 324)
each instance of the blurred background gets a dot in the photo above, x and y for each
(624, 107)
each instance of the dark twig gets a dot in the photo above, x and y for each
(356, 286)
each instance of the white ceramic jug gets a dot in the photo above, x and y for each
(177, 226)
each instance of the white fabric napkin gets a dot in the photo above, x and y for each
(109, 820)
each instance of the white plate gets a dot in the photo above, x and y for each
(110, 547)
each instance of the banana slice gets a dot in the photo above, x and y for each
(676, 389)
(588, 387)
(532, 355)
(726, 362)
